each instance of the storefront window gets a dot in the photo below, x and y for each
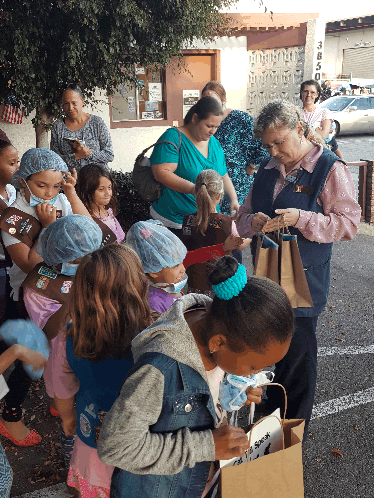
(141, 102)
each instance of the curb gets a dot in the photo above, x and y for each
(366, 229)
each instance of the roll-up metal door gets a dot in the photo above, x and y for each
(359, 62)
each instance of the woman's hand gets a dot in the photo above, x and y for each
(250, 169)
(287, 218)
(232, 242)
(68, 185)
(258, 222)
(234, 206)
(253, 395)
(81, 151)
(229, 442)
(31, 357)
(46, 213)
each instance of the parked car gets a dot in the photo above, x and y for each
(351, 113)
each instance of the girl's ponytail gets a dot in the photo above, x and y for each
(208, 184)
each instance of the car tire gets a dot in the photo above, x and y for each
(337, 129)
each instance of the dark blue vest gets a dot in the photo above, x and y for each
(99, 387)
(183, 385)
(315, 256)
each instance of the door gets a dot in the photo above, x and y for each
(197, 70)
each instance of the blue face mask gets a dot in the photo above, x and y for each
(171, 288)
(34, 201)
(69, 269)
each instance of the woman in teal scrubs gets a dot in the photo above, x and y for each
(177, 171)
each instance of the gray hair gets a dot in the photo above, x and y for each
(281, 113)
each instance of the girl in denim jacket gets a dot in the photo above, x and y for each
(164, 433)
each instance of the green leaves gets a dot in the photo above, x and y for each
(45, 45)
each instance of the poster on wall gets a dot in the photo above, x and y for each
(190, 97)
(155, 92)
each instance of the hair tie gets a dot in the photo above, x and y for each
(233, 285)
(203, 184)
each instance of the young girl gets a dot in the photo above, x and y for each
(29, 357)
(8, 165)
(109, 307)
(37, 205)
(47, 289)
(164, 259)
(162, 432)
(206, 227)
(97, 189)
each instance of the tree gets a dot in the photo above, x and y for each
(46, 44)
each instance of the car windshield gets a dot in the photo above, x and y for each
(337, 103)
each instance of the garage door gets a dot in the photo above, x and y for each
(359, 62)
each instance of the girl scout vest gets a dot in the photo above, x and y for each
(301, 194)
(100, 383)
(219, 228)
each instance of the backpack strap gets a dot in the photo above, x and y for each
(165, 142)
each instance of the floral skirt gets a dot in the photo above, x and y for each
(75, 480)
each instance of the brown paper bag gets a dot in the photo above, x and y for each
(274, 475)
(267, 258)
(292, 277)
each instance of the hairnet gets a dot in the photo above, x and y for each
(25, 332)
(68, 238)
(36, 160)
(156, 246)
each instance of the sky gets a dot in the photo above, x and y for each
(332, 10)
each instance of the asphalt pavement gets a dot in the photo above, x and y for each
(338, 455)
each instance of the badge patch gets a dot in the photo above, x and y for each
(186, 231)
(65, 289)
(85, 425)
(12, 231)
(47, 272)
(12, 220)
(42, 283)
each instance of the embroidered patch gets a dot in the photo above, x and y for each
(90, 409)
(12, 220)
(12, 231)
(85, 425)
(145, 233)
(65, 289)
(186, 231)
(58, 214)
(105, 240)
(47, 272)
(42, 283)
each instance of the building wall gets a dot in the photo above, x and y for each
(129, 142)
(335, 43)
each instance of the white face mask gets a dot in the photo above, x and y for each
(171, 288)
(34, 201)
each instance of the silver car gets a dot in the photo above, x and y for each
(351, 113)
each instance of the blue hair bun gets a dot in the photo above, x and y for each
(232, 286)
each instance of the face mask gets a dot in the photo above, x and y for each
(69, 269)
(34, 201)
(233, 395)
(171, 288)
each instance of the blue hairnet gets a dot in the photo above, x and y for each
(156, 246)
(68, 238)
(25, 332)
(36, 160)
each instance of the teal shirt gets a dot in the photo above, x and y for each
(174, 205)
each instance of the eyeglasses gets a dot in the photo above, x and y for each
(276, 144)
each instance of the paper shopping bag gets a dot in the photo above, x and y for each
(274, 472)
(292, 277)
(267, 257)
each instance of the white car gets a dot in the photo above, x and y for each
(352, 114)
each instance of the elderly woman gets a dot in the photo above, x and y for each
(321, 210)
(80, 138)
(177, 172)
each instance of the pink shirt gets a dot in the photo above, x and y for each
(341, 212)
(316, 117)
(112, 222)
